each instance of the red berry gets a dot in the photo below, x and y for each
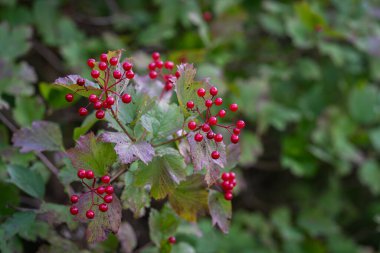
(177, 74)
(127, 66)
(102, 65)
(215, 154)
(168, 86)
(69, 97)
(213, 91)
(218, 138)
(156, 56)
(226, 176)
(172, 240)
(89, 174)
(198, 137)
(236, 131)
(82, 111)
(240, 124)
(113, 61)
(110, 100)
(126, 98)
(117, 74)
(103, 207)
(201, 92)
(190, 104)
(101, 190)
(234, 107)
(208, 103)
(152, 66)
(95, 74)
(218, 101)
(105, 104)
(227, 186)
(93, 98)
(232, 176)
(81, 81)
(100, 114)
(234, 138)
(81, 173)
(98, 105)
(169, 65)
(90, 214)
(233, 182)
(108, 198)
(109, 189)
(130, 74)
(74, 210)
(212, 121)
(74, 199)
(210, 135)
(159, 64)
(206, 128)
(103, 57)
(222, 113)
(228, 196)
(153, 74)
(106, 179)
(91, 63)
(192, 125)
(207, 16)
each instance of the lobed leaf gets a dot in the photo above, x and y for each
(127, 150)
(41, 136)
(162, 225)
(29, 181)
(70, 82)
(91, 153)
(220, 210)
(190, 198)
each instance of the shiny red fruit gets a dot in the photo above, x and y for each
(81, 81)
(90, 214)
(232, 176)
(215, 154)
(172, 240)
(198, 137)
(108, 198)
(168, 86)
(93, 98)
(102, 65)
(130, 74)
(101, 190)
(227, 186)
(206, 128)
(190, 104)
(218, 101)
(91, 63)
(109, 189)
(210, 135)
(110, 100)
(127, 66)
(74, 199)
(98, 105)
(226, 176)
(152, 66)
(116, 74)
(69, 97)
(222, 113)
(89, 174)
(228, 196)
(201, 92)
(103, 207)
(74, 210)
(169, 65)
(113, 61)
(218, 138)
(234, 107)
(106, 179)
(95, 74)
(192, 125)
(100, 114)
(208, 103)
(156, 56)
(82, 111)
(126, 98)
(153, 74)
(177, 74)
(234, 138)
(236, 131)
(103, 57)
(159, 64)
(81, 173)
(213, 91)
(212, 121)
(240, 124)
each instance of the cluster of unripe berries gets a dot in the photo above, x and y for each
(103, 192)
(211, 120)
(101, 72)
(228, 184)
(156, 71)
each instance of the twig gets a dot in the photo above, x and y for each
(49, 56)
(122, 126)
(119, 173)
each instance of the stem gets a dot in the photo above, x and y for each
(119, 173)
(122, 126)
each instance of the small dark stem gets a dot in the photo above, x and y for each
(122, 126)
(119, 173)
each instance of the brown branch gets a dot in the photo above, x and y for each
(119, 173)
(122, 126)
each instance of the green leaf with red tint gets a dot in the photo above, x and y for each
(91, 153)
(190, 198)
(70, 82)
(220, 210)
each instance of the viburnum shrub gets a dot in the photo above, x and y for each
(156, 145)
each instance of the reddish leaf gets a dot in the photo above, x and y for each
(220, 210)
(70, 82)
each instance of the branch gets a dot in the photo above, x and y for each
(119, 173)
(122, 126)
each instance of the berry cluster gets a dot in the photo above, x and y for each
(104, 189)
(157, 70)
(211, 120)
(228, 184)
(108, 73)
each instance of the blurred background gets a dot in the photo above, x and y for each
(305, 74)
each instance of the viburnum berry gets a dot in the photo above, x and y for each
(236, 131)
(126, 98)
(218, 101)
(81, 81)
(129, 74)
(227, 186)
(215, 154)
(103, 57)
(177, 74)
(233, 107)
(169, 65)
(69, 97)
(100, 114)
(201, 92)
(95, 74)
(116, 74)
(213, 91)
(108, 198)
(234, 138)
(74, 199)
(172, 240)
(152, 66)
(168, 86)
(210, 135)
(98, 105)
(101, 190)
(155, 56)
(232, 176)
(113, 61)
(208, 103)
(105, 179)
(206, 128)
(82, 111)
(81, 173)
(109, 189)
(90, 214)
(240, 124)
(91, 63)
(127, 66)
(89, 174)
(218, 138)
(153, 74)
(222, 113)
(228, 196)
(103, 207)
(190, 104)
(93, 98)
(159, 64)
(198, 137)
(102, 66)
(225, 176)
(110, 100)
(192, 125)
(207, 16)
(212, 121)
(74, 210)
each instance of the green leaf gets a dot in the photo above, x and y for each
(56, 214)
(91, 153)
(70, 82)
(362, 103)
(190, 198)
(10, 195)
(183, 247)
(14, 42)
(20, 221)
(29, 181)
(86, 125)
(163, 120)
(162, 225)
(41, 136)
(369, 174)
(220, 210)
(374, 136)
(27, 110)
(54, 95)
(163, 173)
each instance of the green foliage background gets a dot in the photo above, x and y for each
(306, 77)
